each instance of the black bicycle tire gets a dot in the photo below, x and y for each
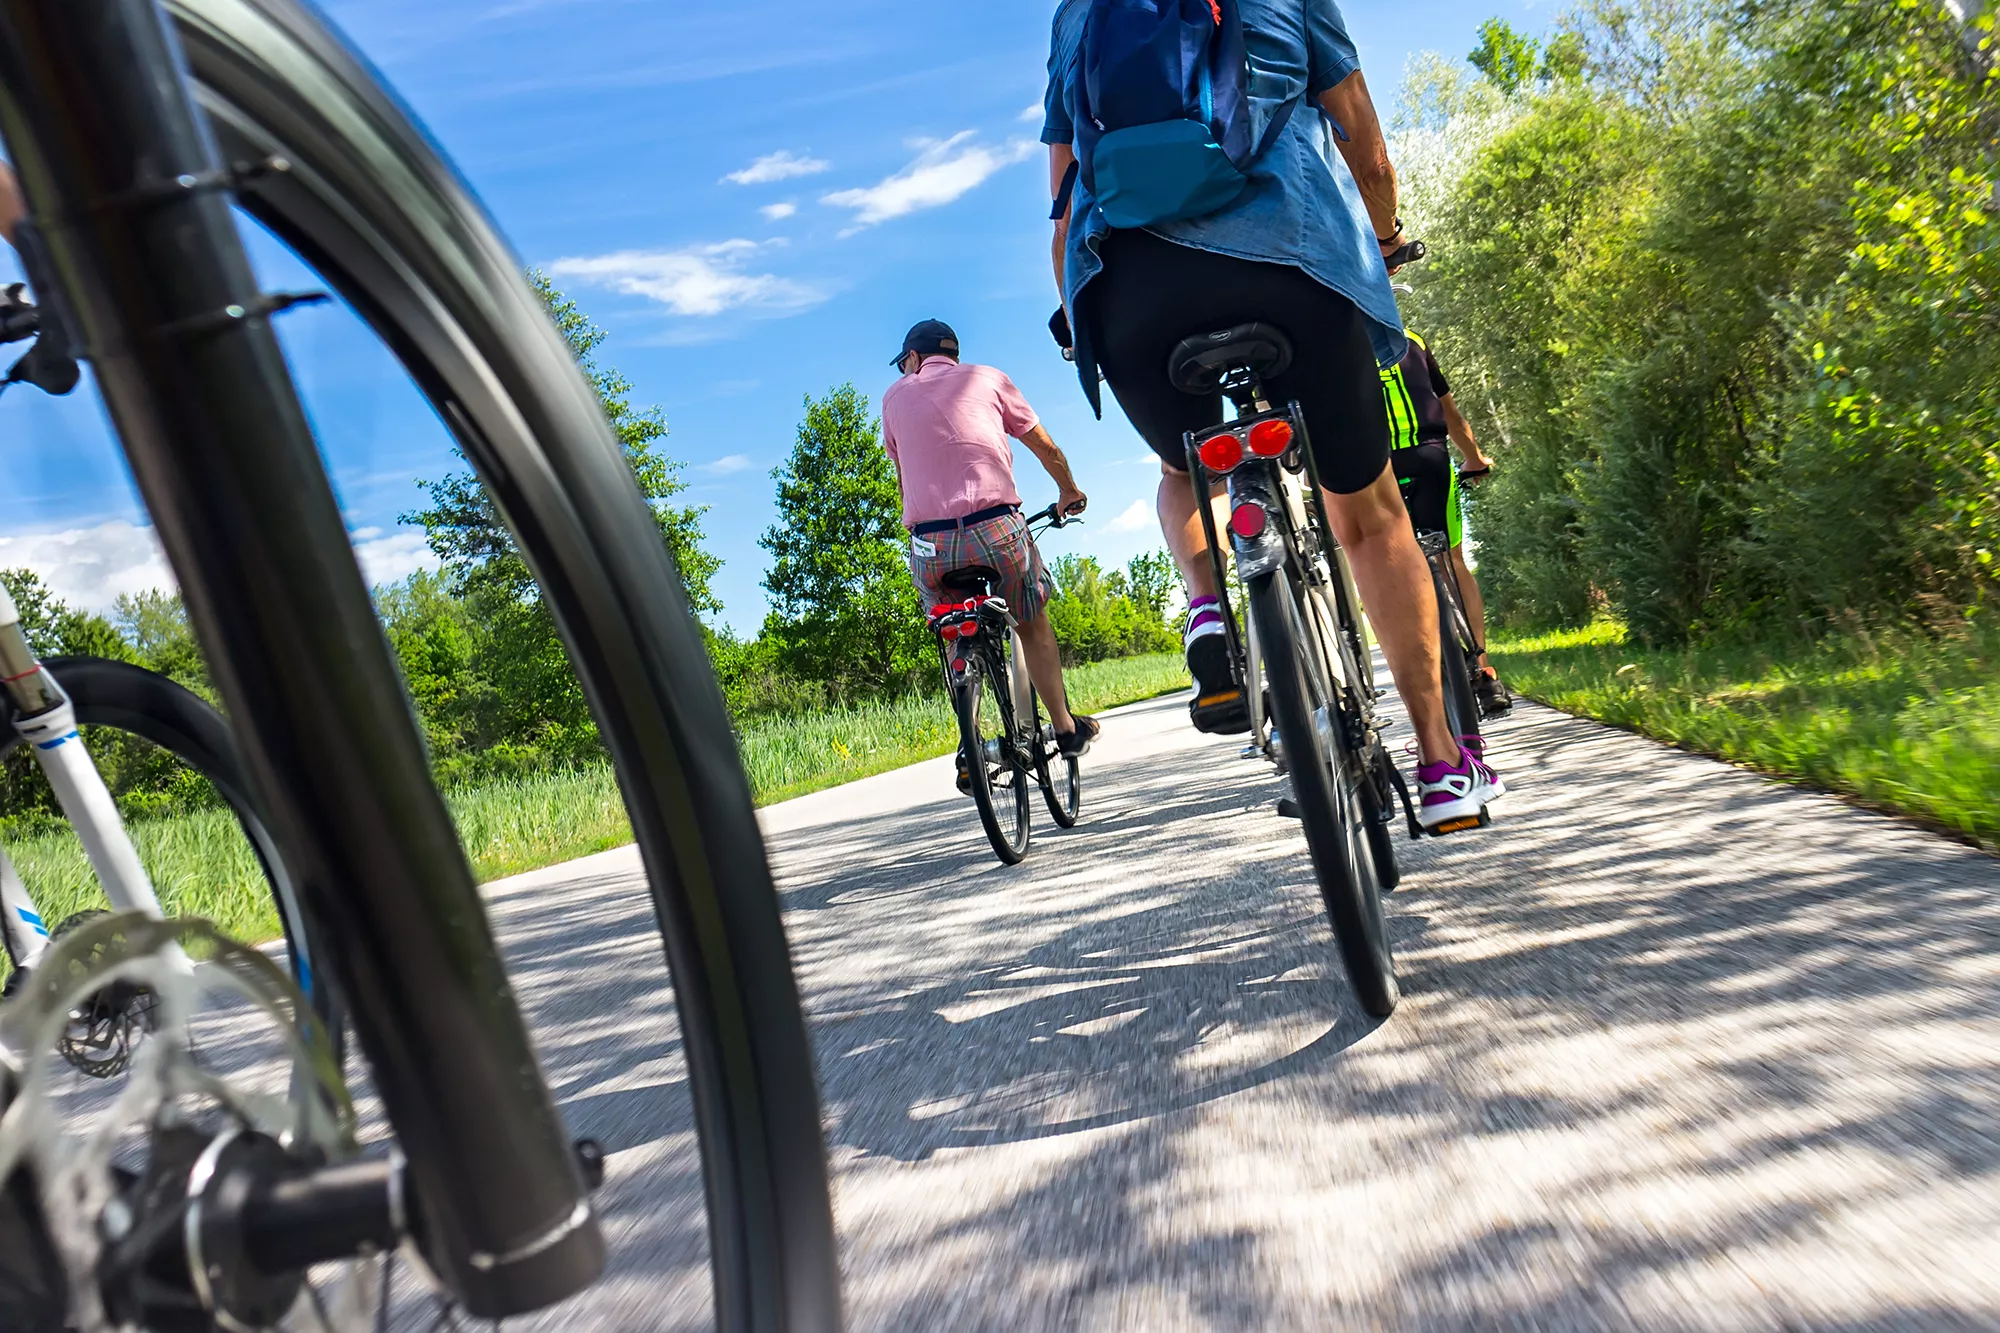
(1377, 799)
(1063, 812)
(1068, 810)
(126, 697)
(369, 203)
(1327, 800)
(980, 681)
(1460, 705)
(1381, 841)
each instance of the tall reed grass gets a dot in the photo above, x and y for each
(203, 866)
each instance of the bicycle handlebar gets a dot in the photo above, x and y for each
(19, 319)
(1052, 518)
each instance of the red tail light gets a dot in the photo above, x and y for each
(1270, 438)
(1221, 453)
(1247, 520)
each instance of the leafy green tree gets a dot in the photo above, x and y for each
(156, 625)
(54, 627)
(1507, 57)
(144, 779)
(1098, 613)
(480, 648)
(844, 612)
(465, 530)
(1723, 299)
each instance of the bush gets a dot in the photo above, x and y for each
(1724, 304)
(1120, 613)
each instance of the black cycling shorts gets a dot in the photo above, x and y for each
(1154, 292)
(1430, 489)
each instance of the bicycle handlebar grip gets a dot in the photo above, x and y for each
(1409, 252)
(1059, 330)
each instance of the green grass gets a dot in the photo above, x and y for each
(202, 866)
(1907, 723)
(793, 756)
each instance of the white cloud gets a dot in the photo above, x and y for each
(393, 556)
(778, 212)
(90, 567)
(699, 281)
(782, 165)
(728, 465)
(1137, 517)
(944, 170)
(1031, 112)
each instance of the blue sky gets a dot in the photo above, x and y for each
(753, 199)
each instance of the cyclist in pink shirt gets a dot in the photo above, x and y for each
(946, 425)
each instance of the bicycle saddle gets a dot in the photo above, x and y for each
(973, 580)
(1198, 363)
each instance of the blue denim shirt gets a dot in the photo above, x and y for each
(1302, 206)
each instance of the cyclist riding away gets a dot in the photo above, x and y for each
(1299, 241)
(945, 425)
(1422, 416)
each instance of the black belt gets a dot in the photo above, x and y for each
(976, 516)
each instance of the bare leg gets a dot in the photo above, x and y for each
(1395, 584)
(11, 207)
(1038, 646)
(1180, 523)
(1475, 605)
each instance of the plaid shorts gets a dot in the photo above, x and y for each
(1002, 543)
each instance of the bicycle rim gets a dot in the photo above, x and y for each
(999, 783)
(1326, 782)
(387, 223)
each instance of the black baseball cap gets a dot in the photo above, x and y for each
(932, 337)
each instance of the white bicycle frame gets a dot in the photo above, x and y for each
(47, 722)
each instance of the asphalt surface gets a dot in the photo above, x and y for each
(1679, 1048)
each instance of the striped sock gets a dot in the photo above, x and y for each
(1204, 617)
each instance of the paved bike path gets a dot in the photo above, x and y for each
(1680, 1049)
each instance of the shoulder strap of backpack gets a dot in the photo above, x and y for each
(1279, 119)
(1063, 192)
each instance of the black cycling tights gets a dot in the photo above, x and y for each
(1153, 293)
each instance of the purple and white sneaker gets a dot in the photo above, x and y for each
(1476, 747)
(1453, 796)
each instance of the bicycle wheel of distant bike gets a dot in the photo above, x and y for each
(332, 164)
(177, 730)
(992, 759)
(1461, 706)
(1328, 783)
(1060, 777)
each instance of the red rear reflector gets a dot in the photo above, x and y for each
(1270, 438)
(1247, 520)
(1221, 453)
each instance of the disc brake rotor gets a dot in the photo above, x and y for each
(127, 1173)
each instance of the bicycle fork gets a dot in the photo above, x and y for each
(47, 722)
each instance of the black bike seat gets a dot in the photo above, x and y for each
(1198, 363)
(974, 580)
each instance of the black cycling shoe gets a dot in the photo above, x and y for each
(1072, 744)
(1493, 695)
(1219, 707)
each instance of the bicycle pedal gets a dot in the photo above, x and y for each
(1221, 714)
(1456, 825)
